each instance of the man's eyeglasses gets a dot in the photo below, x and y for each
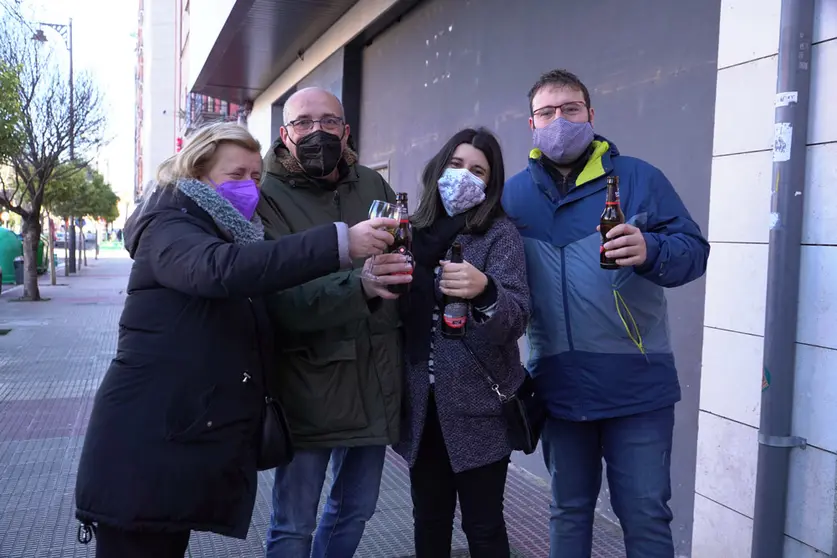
(567, 110)
(328, 123)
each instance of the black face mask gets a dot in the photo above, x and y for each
(319, 153)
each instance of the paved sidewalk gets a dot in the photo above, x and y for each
(52, 357)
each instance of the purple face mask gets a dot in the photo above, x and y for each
(242, 194)
(562, 141)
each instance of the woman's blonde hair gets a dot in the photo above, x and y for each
(197, 154)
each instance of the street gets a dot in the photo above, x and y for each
(53, 355)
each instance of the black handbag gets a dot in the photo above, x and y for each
(524, 412)
(276, 445)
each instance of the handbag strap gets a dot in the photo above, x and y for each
(495, 385)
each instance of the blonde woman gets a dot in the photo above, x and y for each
(175, 433)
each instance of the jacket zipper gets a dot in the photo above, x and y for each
(566, 299)
(338, 204)
(564, 295)
(247, 377)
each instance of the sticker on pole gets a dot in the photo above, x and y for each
(786, 98)
(765, 379)
(782, 142)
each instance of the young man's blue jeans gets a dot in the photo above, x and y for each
(637, 450)
(350, 504)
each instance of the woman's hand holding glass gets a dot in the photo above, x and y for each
(369, 238)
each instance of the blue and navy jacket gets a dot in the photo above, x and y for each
(599, 343)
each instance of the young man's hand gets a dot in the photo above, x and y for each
(627, 245)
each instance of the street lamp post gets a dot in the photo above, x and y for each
(66, 32)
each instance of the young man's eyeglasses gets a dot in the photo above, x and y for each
(567, 110)
(327, 123)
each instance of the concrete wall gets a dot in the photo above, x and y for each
(328, 75)
(651, 68)
(736, 286)
(159, 89)
(360, 16)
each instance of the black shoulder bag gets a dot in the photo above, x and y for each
(523, 411)
(276, 446)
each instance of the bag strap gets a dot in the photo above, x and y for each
(495, 385)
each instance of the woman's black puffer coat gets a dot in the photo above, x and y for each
(171, 443)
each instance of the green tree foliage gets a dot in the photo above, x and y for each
(81, 193)
(11, 135)
(50, 125)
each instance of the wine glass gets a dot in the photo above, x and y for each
(380, 208)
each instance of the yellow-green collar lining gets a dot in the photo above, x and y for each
(594, 167)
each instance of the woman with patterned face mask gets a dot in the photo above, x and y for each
(180, 421)
(455, 437)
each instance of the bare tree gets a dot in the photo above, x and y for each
(49, 126)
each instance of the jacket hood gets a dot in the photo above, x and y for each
(279, 160)
(142, 216)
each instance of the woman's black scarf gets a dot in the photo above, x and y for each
(430, 245)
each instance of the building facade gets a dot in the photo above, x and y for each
(139, 78)
(167, 110)
(688, 86)
(157, 62)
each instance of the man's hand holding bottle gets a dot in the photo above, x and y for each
(387, 269)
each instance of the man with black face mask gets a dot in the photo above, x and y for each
(338, 364)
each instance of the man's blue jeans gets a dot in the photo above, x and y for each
(637, 450)
(350, 504)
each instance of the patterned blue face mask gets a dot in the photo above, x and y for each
(460, 191)
(562, 141)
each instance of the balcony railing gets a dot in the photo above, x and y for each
(203, 109)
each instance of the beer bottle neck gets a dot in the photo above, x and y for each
(612, 194)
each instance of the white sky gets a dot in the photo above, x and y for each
(104, 43)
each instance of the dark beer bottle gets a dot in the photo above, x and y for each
(611, 216)
(403, 241)
(455, 309)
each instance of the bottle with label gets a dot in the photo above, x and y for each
(455, 310)
(403, 241)
(611, 216)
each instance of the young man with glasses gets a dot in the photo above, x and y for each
(600, 351)
(338, 361)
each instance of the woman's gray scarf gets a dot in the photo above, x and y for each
(222, 211)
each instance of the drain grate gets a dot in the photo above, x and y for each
(5, 331)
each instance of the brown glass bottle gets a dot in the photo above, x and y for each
(403, 241)
(611, 216)
(454, 309)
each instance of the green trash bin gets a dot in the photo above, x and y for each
(42, 259)
(10, 248)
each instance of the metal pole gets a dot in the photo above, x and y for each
(51, 250)
(776, 441)
(72, 96)
(66, 248)
(72, 230)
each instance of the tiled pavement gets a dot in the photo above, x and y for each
(52, 357)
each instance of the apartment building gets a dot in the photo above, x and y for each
(156, 95)
(167, 110)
